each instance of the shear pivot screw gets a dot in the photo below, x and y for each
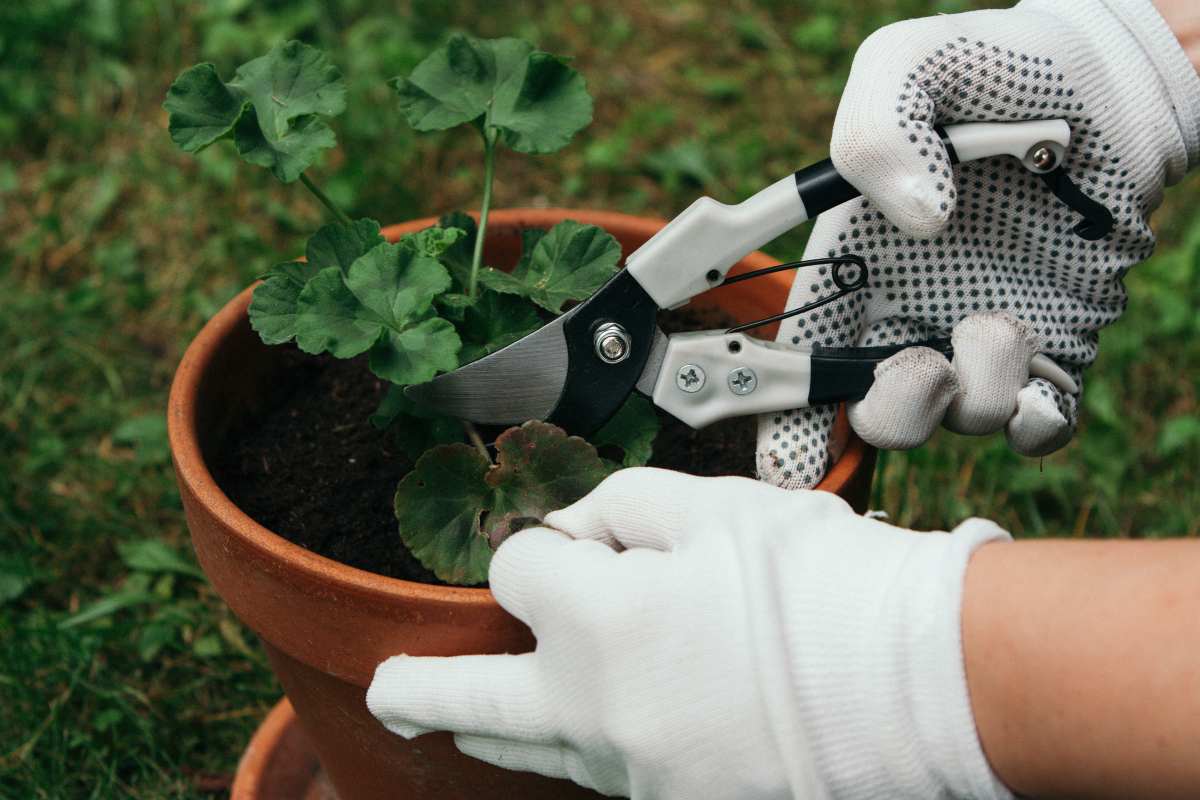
(612, 343)
(742, 381)
(690, 378)
(1043, 158)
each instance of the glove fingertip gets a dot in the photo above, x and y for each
(382, 694)
(1043, 420)
(911, 393)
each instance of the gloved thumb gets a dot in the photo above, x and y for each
(638, 507)
(884, 140)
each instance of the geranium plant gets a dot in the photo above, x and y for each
(427, 303)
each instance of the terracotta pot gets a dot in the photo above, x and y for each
(325, 625)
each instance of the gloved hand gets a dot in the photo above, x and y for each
(947, 244)
(717, 638)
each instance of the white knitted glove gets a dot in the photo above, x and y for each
(943, 244)
(748, 643)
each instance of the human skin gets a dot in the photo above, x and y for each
(1083, 658)
(1183, 17)
(1083, 666)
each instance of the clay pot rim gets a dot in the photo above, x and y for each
(194, 473)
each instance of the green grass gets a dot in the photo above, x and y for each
(121, 673)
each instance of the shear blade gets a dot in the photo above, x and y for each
(520, 382)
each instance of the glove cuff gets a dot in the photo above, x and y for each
(889, 714)
(1176, 71)
(1145, 57)
(931, 658)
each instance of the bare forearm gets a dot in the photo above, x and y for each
(1083, 665)
(1183, 17)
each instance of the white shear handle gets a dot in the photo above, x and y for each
(708, 376)
(694, 251)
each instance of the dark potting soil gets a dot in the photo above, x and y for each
(314, 470)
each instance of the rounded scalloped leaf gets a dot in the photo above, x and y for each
(438, 506)
(289, 90)
(201, 109)
(417, 353)
(632, 429)
(293, 80)
(570, 262)
(533, 100)
(539, 469)
(273, 306)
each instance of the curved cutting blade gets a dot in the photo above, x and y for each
(555, 373)
(516, 383)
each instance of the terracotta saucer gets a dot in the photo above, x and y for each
(280, 763)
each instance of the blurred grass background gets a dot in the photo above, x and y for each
(121, 673)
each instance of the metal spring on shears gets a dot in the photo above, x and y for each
(856, 281)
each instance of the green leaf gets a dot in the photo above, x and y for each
(632, 429)
(297, 273)
(154, 637)
(107, 606)
(685, 161)
(273, 306)
(432, 241)
(336, 245)
(417, 353)
(453, 306)
(416, 428)
(1101, 402)
(570, 262)
(207, 646)
(819, 35)
(201, 109)
(147, 434)
(533, 100)
(288, 157)
(503, 282)
(153, 555)
(107, 719)
(493, 322)
(438, 506)
(383, 305)
(288, 88)
(292, 81)
(539, 468)
(1177, 433)
(457, 257)
(506, 282)
(393, 404)
(416, 435)
(328, 318)
(15, 577)
(272, 108)
(396, 284)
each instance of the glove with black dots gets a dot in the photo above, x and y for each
(984, 250)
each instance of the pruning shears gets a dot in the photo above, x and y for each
(577, 370)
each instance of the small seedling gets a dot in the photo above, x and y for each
(427, 303)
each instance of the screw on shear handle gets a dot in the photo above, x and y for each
(612, 343)
(845, 284)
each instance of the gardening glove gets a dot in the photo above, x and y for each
(717, 638)
(984, 249)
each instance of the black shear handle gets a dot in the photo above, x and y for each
(844, 374)
(822, 188)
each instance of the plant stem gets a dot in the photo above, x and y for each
(325, 201)
(476, 439)
(489, 170)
